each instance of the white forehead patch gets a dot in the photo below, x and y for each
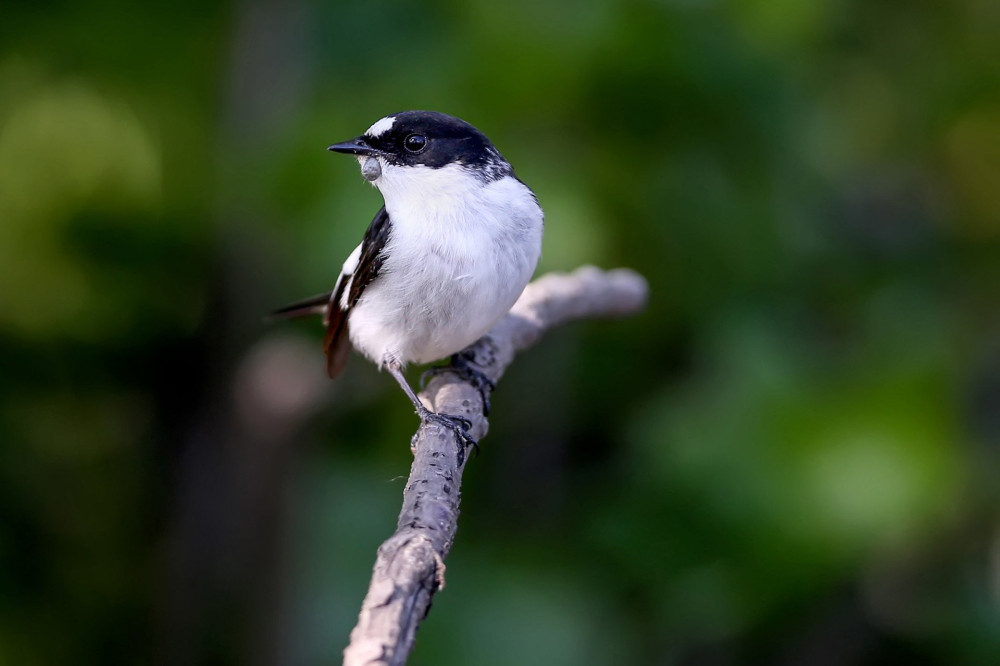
(381, 127)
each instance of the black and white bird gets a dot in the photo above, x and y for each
(444, 259)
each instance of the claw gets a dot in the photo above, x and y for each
(461, 365)
(457, 425)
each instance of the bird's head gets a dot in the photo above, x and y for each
(426, 151)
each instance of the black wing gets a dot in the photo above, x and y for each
(368, 267)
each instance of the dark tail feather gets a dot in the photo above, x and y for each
(335, 344)
(311, 306)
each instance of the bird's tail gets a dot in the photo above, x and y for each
(311, 306)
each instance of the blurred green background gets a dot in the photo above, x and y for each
(792, 457)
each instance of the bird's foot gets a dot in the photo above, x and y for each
(457, 425)
(462, 366)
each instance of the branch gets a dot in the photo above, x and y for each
(409, 567)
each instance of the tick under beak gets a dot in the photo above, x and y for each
(354, 147)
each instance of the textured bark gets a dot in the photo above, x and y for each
(409, 567)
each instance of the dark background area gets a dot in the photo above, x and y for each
(790, 458)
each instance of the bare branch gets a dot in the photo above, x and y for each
(409, 567)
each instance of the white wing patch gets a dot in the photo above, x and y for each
(351, 264)
(347, 275)
(381, 127)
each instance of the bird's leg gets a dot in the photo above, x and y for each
(461, 365)
(456, 424)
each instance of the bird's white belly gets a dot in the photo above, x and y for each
(437, 311)
(433, 301)
(420, 332)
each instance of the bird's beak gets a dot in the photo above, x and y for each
(354, 147)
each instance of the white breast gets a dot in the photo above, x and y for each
(459, 254)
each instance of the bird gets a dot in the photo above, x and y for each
(457, 240)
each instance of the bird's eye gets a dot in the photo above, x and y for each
(415, 143)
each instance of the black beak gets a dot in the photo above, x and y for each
(354, 147)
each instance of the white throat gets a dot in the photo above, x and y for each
(448, 190)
